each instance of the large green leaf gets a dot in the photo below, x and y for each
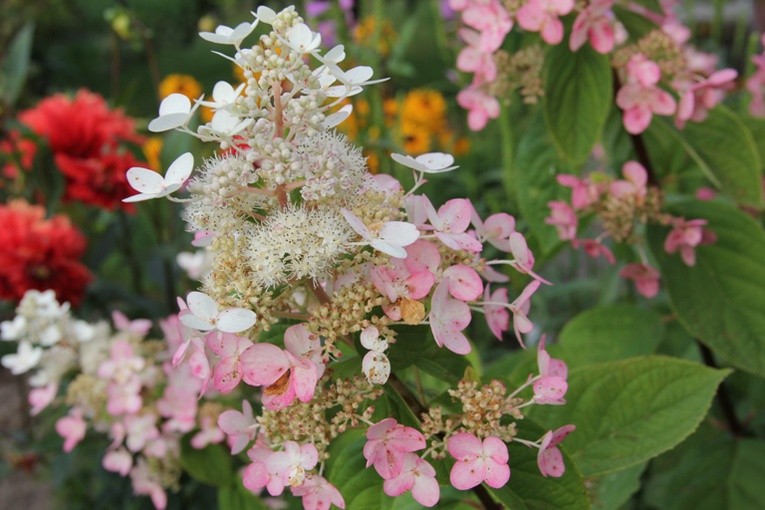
(708, 472)
(536, 165)
(13, 71)
(721, 299)
(609, 333)
(725, 151)
(211, 465)
(578, 93)
(629, 411)
(613, 490)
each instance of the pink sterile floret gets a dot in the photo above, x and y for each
(284, 376)
(685, 236)
(318, 494)
(640, 97)
(563, 218)
(387, 444)
(448, 317)
(543, 16)
(241, 428)
(72, 428)
(550, 458)
(497, 315)
(418, 476)
(478, 461)
(645, 277)
(596, 23)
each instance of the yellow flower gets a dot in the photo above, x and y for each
(415, 139)
(373, 162)
(152, 149)
(424, 107)
(180, 84)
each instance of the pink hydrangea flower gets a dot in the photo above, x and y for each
(496, 229)
(550, 458)
(144, 484)
(241, 428)
(596, 23)
(318, 494)
(480, 105)
(640, 97)
(551, 386)
(451, 222)
(418, 476)
(543, 16)
(387, 444)
(520, 308)
(72, 428)
(209, 433)
(634, 182)
(478, 461)
(583, 192)
(448, 317)
(118, 461)
(288, 467)
(40, 398)
(230, 348)
(685, 236)
(755, 84)
(497, 315)
(563, 218)
(594, 248)
(472, 59)
(286, 374)
(645, 277)
(698, 98)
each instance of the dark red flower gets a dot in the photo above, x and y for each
(87, 140)
(39, 253)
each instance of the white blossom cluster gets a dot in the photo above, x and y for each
(283, 175)
(49, 339)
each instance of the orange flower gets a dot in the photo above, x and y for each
(180, 84)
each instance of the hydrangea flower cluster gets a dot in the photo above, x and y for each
(624, 207)
(302, 235)
(660, 59)
(119, 383)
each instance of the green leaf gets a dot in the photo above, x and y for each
(611, 491)
(415, 346)
(609, 333)
(361, 487)
(629, 411)
(236, 497)
(528, 489)
(709, 471)
(15, 66)
(210, 465)
(725, 151)
(720, 300)
(578, 94)
(536, 165)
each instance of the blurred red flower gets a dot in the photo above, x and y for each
(39, 253)
(87, 140)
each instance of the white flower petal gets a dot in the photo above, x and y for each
(194, 322)
(399, 233)
(145, 180)
(265, 14)
(179, 170)
(202, 305)
(236, 320)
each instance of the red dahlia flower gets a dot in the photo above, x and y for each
(86, 139)
(39, 253)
